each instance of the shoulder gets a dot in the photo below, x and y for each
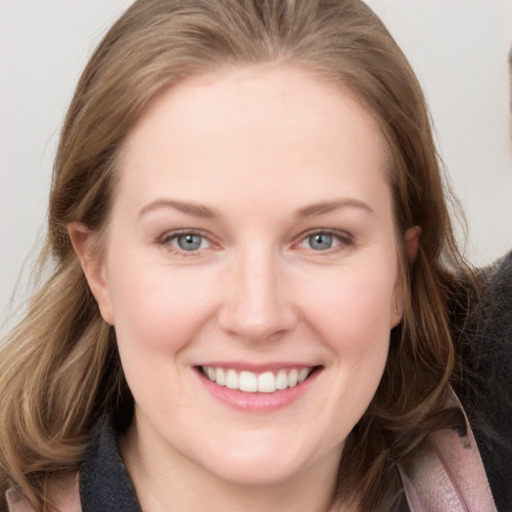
(486, 338)
(102, 483)
(485, 343)
(64, 492)
(497, 298)
(500, 272)
(484, 381)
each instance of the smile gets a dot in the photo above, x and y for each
(251, 382)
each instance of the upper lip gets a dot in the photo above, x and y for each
(256, 368)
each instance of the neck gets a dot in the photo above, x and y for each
(165, 483)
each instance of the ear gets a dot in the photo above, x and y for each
(412, 242)
(87, 248)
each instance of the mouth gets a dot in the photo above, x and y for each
(254, 382)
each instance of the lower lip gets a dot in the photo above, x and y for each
(258, 402)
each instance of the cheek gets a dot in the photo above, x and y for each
(357, 329)
(353, 309)
(158, 313)
(351, 315)
(156, 307)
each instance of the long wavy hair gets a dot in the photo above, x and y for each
(59, 367)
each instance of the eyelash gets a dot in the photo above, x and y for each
(344, 239)
(166, 239)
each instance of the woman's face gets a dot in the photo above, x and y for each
(250, 271)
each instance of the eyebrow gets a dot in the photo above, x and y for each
(329, 206)
(194, 209)
(201, 211)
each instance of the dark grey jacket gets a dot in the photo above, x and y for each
(484, 385)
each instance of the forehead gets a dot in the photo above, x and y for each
(278, 124)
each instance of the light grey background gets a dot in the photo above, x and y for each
(457, 47)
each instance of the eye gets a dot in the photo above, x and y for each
(325, 241)
(184, 241)
(320, 241)
(189, 242)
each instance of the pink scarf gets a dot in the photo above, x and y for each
(450, 478)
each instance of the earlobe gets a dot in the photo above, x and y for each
(396, 315)
(412, 242)
(396, 312)
(87, 248)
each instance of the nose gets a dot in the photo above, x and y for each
(256, 306)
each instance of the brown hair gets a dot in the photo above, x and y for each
(59, 368)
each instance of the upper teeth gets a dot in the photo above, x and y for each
(250, 382)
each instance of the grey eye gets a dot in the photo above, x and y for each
(189, 242)
(320, 241)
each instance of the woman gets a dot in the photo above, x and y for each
(253, 272)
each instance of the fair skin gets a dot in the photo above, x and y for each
(251, 242)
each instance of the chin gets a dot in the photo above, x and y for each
(256, 473)
(261, 462)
